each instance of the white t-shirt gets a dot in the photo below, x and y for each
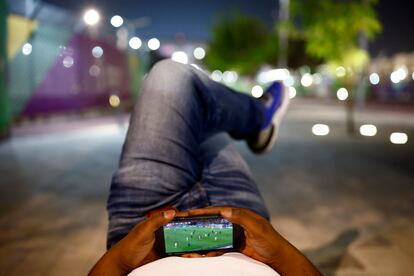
(226, 265)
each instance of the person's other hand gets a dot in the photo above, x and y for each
(262, 241)
(136, 248)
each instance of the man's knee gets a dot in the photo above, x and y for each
(169, 69)
(170, 79)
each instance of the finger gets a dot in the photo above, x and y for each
(182, 214)
(212, 210)
(215, 253)
(197, 255)
(159, 219)
(165, 208)
(192, 255)
(249, 220)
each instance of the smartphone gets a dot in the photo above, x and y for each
(199, 234)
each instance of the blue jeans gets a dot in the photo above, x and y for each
(178, 152)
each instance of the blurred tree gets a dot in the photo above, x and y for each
(332, 29)
(297, 55)
(335, 31)
(241, 43)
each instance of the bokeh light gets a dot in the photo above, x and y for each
(154, 44)
(340, 72)
(180, 57)
(257, 91)
(230, 76)
(368, 130)
(68, 61)
(135, 43)
(306, 80)
(320, 129)
(399, 138)
(114, 101)
(342, 94)
(97, 51)
(402, 73)
(94, 70)
(394, 77)
(399, 75)
(217, 75)
(289, 81)
(199, 53)
(273, 75)
(317, 78)
(374, 78)
(292, 92)
(117, 21)
(27, 49)
(91, 17)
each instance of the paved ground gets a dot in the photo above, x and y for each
(346, 201)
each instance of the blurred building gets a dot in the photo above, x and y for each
(392, 78)
(57, 63)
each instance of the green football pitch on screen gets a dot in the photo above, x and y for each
(184, 239)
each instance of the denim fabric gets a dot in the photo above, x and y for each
(177, 151)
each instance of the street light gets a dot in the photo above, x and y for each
(91, 17)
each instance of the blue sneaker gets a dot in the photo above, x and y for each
(276, 100)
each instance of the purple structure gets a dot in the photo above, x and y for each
(81, 78)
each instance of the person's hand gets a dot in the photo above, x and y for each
(263, 242)
(136, 248)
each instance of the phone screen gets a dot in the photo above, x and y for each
(196, 234)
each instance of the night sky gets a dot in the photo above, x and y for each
(397, 34)
(195, 18)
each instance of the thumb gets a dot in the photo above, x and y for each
(157, 220)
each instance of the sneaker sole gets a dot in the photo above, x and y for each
(277, 118)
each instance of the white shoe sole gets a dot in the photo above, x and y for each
(276, 121)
